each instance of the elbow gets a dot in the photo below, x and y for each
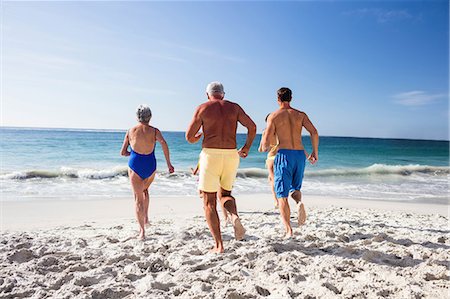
(188, 138)
(191, 139)
(252, 129)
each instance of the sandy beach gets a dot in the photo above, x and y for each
(347, 249)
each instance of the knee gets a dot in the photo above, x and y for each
(209, 202)
(282, 201)
(297, 195)
(225, 193)
(209, 206)
(139, 204)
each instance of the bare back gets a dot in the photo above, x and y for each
(142, 139)
(219, 121)
(288, 124)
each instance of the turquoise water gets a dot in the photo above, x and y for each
(79, 163)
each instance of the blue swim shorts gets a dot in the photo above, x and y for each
(288, 168)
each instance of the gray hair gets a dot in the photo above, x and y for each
(143, 113)
(215, 88)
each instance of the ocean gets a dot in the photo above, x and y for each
(72, 164)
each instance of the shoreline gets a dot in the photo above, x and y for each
(52, 212)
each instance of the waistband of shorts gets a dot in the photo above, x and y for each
(283, 150)
(223, 151)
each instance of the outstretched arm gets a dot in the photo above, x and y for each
(260, 147)
(165, 148)
(247, 122)
(126, 142)
(192, 134)
(314, 157)
(268, 135)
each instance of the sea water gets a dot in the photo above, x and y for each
(84, 164)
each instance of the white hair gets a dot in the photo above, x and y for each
(143, 113)
(214, 88)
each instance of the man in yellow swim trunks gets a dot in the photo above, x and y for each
(219, 159)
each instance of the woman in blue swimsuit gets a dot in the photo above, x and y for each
(142, 162)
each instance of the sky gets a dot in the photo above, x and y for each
(363, 69)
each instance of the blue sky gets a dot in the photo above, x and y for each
(367, 69)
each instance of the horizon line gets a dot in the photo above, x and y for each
(169, 131)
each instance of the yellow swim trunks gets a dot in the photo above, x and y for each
(218, 168)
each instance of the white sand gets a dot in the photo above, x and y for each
(347, 249)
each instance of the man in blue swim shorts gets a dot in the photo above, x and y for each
(286, 125)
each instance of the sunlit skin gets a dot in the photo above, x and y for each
(218, 118)
(286, 124)
(142, 138)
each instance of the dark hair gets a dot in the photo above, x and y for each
(267, 117)
(284, 94)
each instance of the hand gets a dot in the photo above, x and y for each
(243, 152)
(171, 168)
(313, 158)
(198, 136)
(194, 171)
(262, 148)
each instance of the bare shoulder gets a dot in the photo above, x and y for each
(200, 108)
(298, 111)
(133, 129)
(300, 114)
(275, 114)
(232, 104)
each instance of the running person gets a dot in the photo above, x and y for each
(219, 159)
(286, 125)
(142, 162)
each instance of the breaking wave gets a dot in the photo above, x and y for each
(122, 171)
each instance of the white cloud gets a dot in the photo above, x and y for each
(381, 15)
(417, 98)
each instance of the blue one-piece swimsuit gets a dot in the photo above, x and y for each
(143, 165)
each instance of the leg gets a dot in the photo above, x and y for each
(147, 184)
(301, 213)
(212, 218)
(137, 185)
(285, 213)
(146, 203)
(272, 188)
(224, 211)
(229, 204)
(297, 179)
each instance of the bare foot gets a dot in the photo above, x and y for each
(301, 213)
(239, 230)
(216, 250)
(141, 235)
(289, 234)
